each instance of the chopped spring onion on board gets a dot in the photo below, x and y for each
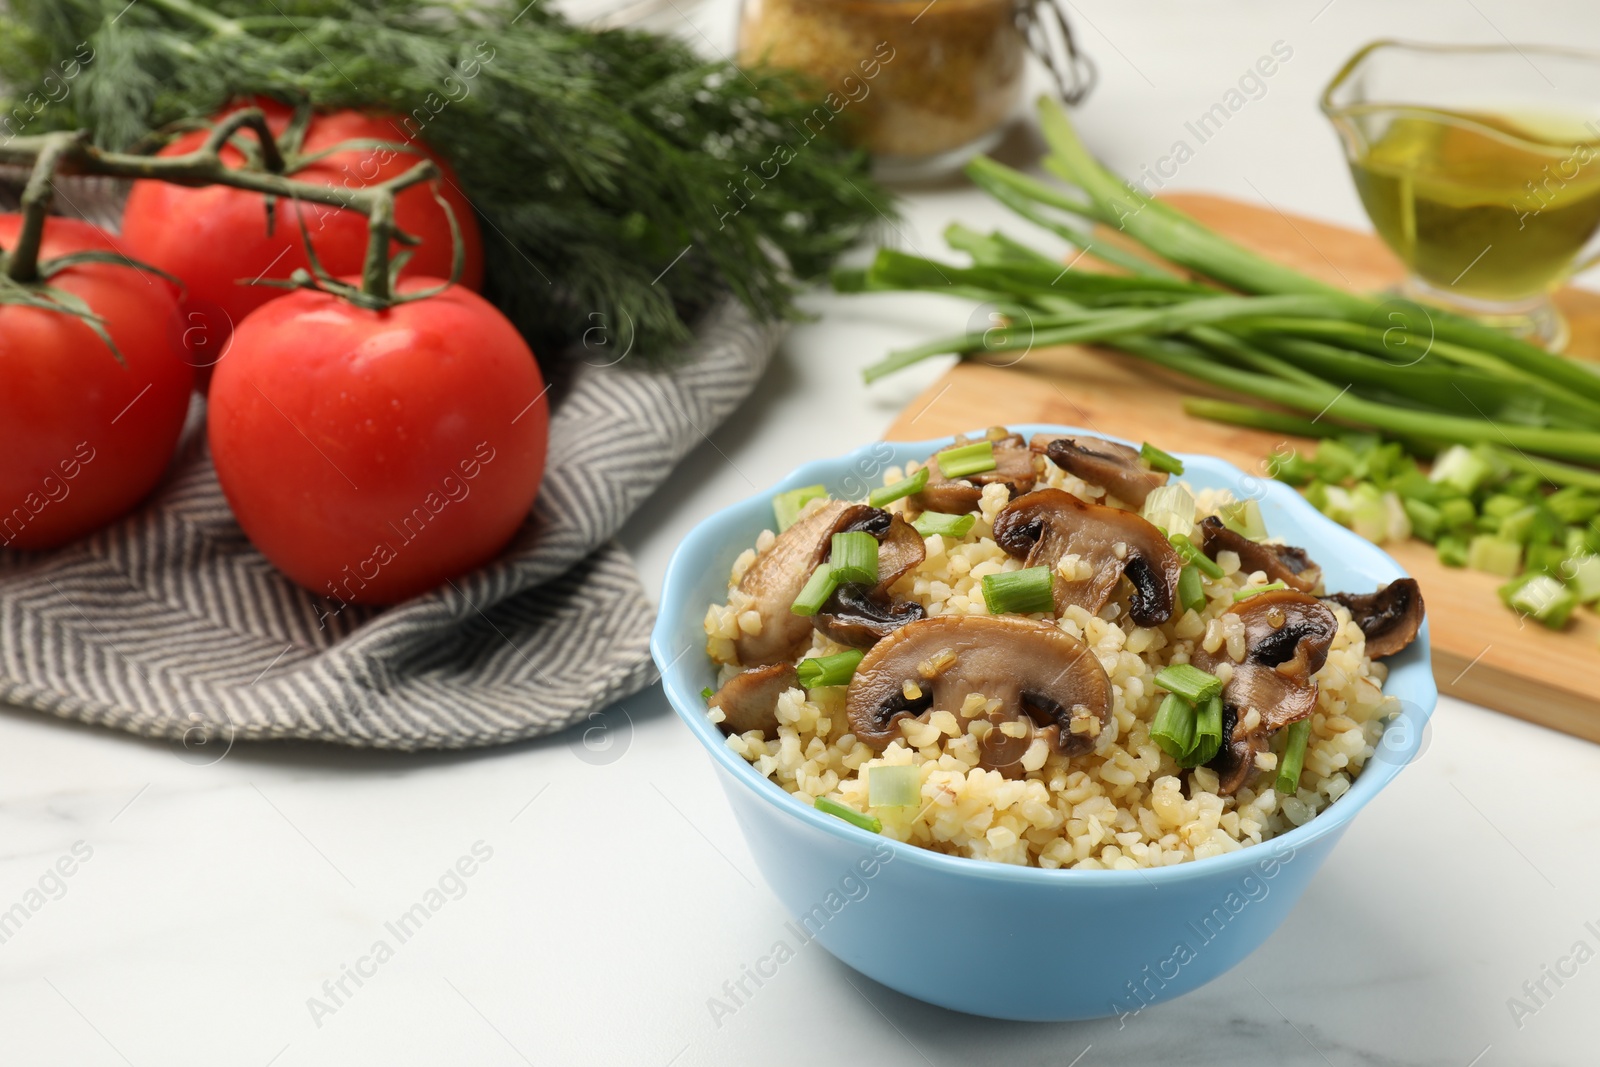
(1585, 577)
(818, 588)
(1173, 728)
(967, 459)
(1255, 590)
(903, 488)
(1540, 597)
(1207, 732)
(1023, 592)
(1493, 555)
(1159, 460)
(1191, 588)
(870, 823)
(898, 786)
(854, 558)
(937, 522)
(1189, 682)
(1294, 757)
(837, 669)
(786, 506)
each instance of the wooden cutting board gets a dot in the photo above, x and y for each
(1482, 652)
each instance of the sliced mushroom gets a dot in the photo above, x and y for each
(1113, 466)
(852, 616)
(861, 616)
(779, 573)
(1043, 526)
(1039, 674)
(1287, 637)
(1280, 563)
(1013, 466)
(1235, 761)
(749, 700)
(1390, 617)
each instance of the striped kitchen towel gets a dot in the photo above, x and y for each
(169, 624)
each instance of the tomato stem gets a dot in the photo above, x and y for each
(71, 153)
(22, 262)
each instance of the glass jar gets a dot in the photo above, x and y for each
(924, 86)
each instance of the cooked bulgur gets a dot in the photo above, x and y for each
(1124, 805)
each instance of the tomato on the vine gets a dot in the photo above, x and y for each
(372, 455)
(84, 437)
(216, 240)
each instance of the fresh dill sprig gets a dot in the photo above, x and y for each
(623, 181)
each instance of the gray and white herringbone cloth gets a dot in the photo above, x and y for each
(170, 624)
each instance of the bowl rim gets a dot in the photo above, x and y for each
(685, 569)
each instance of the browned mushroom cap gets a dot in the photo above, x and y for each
(1036, 671)
(860, 616)
(1013, 466)
(1287, 637)
(749, 700)
(1390, 617)
(1280, 563)
(1042, 526)
(779, 573)
(1113, 466)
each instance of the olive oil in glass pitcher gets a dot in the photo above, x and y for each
(1480, 175)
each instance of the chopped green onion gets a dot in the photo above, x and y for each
(838, 669)
(818, 588)
(1462, 468)
(1452, 550)
(937, 522)
(1189, 682)
(707, 693)
(1335, 461)
(1500, 505)
(903, 488)
(786, 506)
(1585, 577)
(1171, 508)
(1023, 592)
(1494, 556)
(1207, 732)
(854, 558)
(1457, 514)
(1518, 526)
(1290, 467)
(1572, 504)
(1542, 598)
(1294, 757)
(897, 786)
(1369, 515)
(1191, 554)
(1243, 517)
(869, 823)
(966, 459)
(1247, 593)
(1425, 518)
(1159, 460)
(1191, 588)
(1173, 728)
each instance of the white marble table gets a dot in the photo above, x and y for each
(227, 913)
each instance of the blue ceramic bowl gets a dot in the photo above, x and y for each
(1019, 942)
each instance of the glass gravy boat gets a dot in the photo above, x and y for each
(1480, 168)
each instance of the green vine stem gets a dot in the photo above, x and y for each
(22, 263)
(71, 154)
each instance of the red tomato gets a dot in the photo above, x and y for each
(371, 455)
(83, 438)
(215, 238)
